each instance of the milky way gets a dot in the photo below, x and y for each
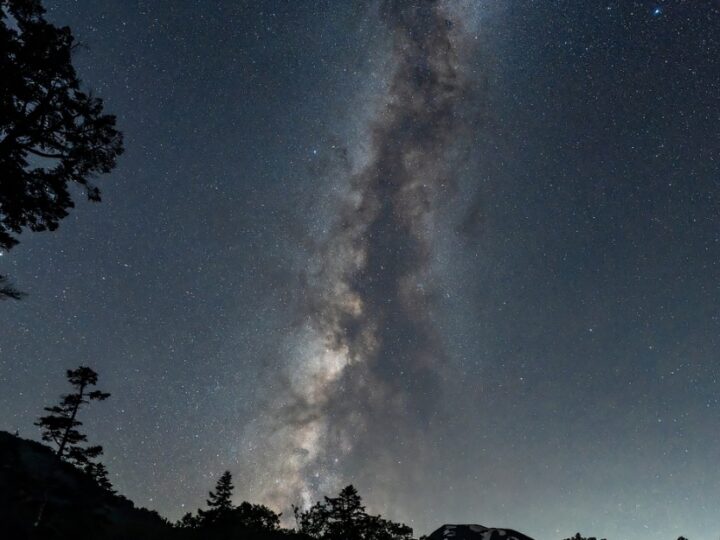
(369, 356)
(462, 254)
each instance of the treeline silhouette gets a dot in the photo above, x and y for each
(61, 490)
(64, 491)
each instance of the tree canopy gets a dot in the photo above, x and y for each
(52, 133)
(344, 518)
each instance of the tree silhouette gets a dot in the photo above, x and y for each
(578, 536)
(223, 520)
(60, 426)
(344, 518)
(219, 501)
(256, 517)
(99, 472)
(188, 521)
(52, 134)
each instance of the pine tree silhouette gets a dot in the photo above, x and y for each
(60, 426)
(219, 501)
(221, 498)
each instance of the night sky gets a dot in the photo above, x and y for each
(465, 256)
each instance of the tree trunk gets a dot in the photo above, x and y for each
(72, 419)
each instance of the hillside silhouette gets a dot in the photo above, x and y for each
(76, 506)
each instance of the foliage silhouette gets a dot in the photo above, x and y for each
(221, 498)
(344, 518)
(223, 520)
(8, 291)
(99, 472)
(219, 501)
(53, 134)
(578, 536)
(60, 426)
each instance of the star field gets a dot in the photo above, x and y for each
(526, 336)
